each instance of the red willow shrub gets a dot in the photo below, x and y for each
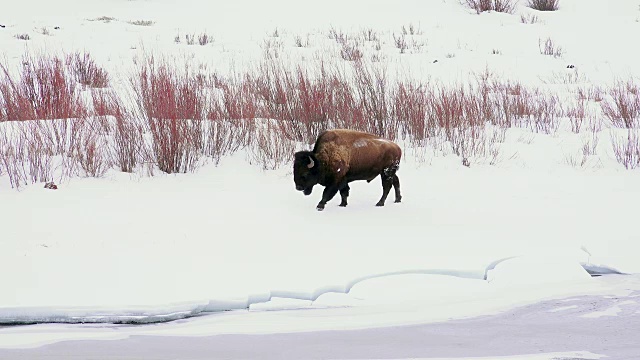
(622, 106)
(173, 105)
(126, 129)
(86, 71)
(43, 90)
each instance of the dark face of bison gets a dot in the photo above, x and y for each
(305, 171)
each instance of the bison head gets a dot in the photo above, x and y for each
(306, 171)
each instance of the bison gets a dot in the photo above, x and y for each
(341, 156)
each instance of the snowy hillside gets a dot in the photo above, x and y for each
(169, 130)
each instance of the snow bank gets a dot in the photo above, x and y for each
(537, 269)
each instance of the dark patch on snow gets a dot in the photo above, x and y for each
(51, 185)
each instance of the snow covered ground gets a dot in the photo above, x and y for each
(465, 242)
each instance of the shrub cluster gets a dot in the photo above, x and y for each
(544, 5)
(181, 116)
(504, 6)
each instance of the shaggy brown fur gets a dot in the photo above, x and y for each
(341, 156)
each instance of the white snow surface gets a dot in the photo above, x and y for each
(143, 249)
(464, 241)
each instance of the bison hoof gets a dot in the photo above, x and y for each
(320, 207)
(399, 200)
(343, 204)
(380, 204)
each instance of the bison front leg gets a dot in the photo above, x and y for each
(328, 194)
(344, 193)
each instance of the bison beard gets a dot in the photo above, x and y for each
(342, 156)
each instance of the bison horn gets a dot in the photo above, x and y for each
(311, 163)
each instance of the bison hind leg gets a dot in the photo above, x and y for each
(390, 179)
(396, 187)
(387, 182)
